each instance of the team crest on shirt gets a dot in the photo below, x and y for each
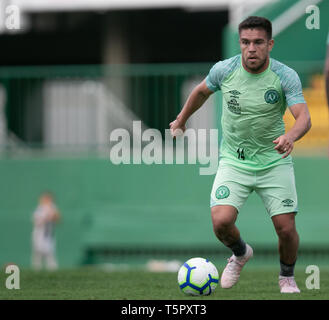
(271, 96)
(222, 192)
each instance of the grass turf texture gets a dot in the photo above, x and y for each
(92, 283)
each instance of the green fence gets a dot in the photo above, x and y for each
(154, 93)
(78, 106)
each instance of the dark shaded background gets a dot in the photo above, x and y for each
(151, 36)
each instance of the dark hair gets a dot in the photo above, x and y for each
(254, 22)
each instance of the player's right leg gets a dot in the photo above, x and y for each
(223, 219)
(230, 190)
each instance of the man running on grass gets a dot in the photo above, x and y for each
(255, 150)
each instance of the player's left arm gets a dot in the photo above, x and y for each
(285, 143)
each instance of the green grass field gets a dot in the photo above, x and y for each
(95, 284)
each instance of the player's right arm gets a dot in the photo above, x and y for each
(195, 100)
(202, 91)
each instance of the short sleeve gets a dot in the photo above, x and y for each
(292, 87)
(220, 71)
(212, 80)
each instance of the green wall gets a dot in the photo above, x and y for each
(139, 206)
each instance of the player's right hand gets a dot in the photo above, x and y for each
(176, 128)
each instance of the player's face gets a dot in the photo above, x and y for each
(255, 49)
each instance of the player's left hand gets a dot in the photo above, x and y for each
(284, 144)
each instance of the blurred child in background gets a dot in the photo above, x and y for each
(45, 218)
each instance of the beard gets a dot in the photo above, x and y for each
(255, 67)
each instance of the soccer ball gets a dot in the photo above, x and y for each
(198, 277)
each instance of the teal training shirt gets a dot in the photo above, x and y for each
(253, 109)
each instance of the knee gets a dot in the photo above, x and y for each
(286, 232)
(221, 219)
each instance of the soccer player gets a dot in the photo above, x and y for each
(43, 237)
(255, 149)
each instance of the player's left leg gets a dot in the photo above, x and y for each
(277, 188)
(285, 228)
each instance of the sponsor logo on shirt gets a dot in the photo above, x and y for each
(234, 106)
(234, 94)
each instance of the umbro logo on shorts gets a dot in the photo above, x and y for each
(287, 202)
